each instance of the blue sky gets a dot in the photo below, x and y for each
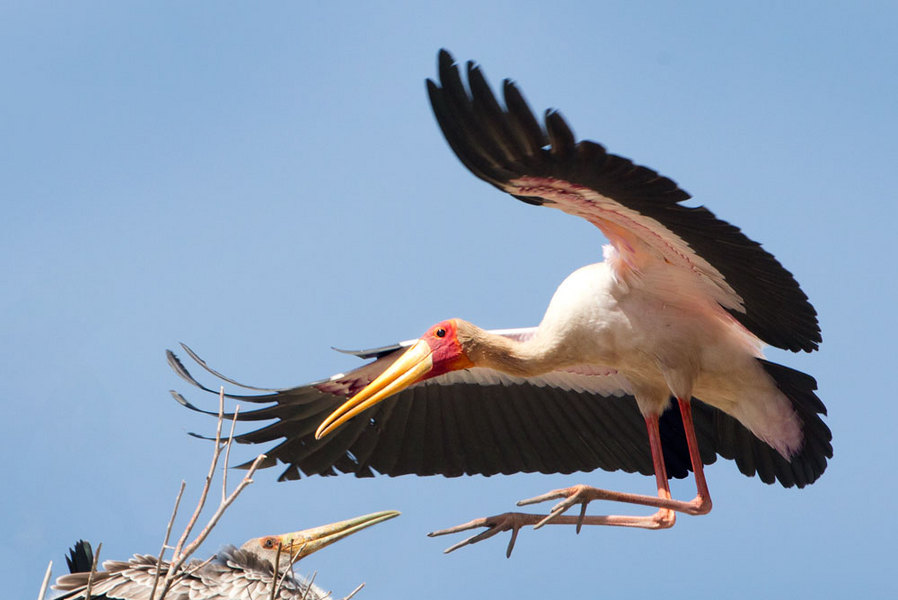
(264, 183)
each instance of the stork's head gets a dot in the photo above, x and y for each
(296, 545)
(440, 350)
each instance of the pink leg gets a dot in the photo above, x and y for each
(663, 518)
(702, 500)
(700, 505)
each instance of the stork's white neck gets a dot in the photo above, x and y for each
(578, 328)
(519, 358)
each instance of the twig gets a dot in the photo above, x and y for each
(224, 467)
(205, 493)
(181, 551)
(274, 580)
(311, 585)
(46, 582)
(174, 570)
(355, 591)
(248, 479)
(176, 565)
(93, 569)
(196, 567)
(171, 521)
(279, 583)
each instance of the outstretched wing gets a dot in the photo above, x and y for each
(639, 210)
(482, 422)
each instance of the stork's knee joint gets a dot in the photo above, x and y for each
(702, 505)
(665, 519)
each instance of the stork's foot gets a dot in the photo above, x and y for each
(576, 494)
(663, 518)
(510, 521)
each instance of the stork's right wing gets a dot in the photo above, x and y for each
(638, 210)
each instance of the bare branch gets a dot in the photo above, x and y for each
(216, 453)
(196, 567)
(183, 550)
(46, 582)
(275, 584)
(355, 591)
(93, 570)
(224, 467)
(171, 572)
(171, 522)
(248, 479)
(311, 584)
(278, 583)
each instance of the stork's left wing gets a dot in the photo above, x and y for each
(476, 421)
(639, 210)
(480, 421)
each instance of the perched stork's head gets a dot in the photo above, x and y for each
(296, 545)
(438, 351)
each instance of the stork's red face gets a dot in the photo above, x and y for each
(446, 351)
(438, 351)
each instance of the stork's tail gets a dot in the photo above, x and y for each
(80, 561)
(753, 456)
(80, 558)
(733, 440)
(810, 461)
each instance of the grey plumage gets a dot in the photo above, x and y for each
(234, 574)
(245, 573)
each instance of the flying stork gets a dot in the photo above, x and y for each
(245, 573)
(665, 337)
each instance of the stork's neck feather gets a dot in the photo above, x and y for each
(527, 358)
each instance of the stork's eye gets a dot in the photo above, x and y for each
(269, 543)
(440, 332)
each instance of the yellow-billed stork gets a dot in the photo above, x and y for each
(677, 314)
(244, 573)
